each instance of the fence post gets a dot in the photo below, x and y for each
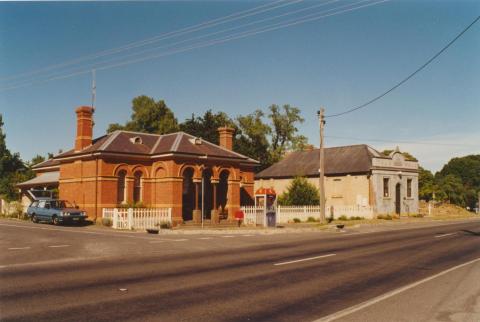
(115, 218)
(170, 215)
(129, 218)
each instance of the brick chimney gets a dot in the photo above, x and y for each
(226, 137)
(84, 127)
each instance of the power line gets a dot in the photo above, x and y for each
(403, 142)
(409, 76)
(137, 53)
(168, 35)
(272, 27)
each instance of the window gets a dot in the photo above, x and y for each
(137, 186)
(41, 204)
(121, 187)
(386, 191)
(409, 188)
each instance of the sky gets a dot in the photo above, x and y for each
(337, 62)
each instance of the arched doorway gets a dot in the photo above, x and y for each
(222, 194)
(137, 187)
(207, 196)
(188, 195)
(398, 207)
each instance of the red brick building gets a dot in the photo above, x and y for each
(152, 170)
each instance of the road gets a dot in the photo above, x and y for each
(52, 273)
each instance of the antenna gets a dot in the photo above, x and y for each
(94, 90)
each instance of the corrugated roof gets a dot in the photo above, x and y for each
(155, 144)
(47, 163)
(338, 160)
(42, 179)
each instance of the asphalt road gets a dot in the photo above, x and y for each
(52, 273)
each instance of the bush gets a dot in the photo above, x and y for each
(300, 192)
(165, 225)
(342, 217)
(311, 219)
(416, 215)
(107, 222)
(385, 217)
(357, 218)
(296, 220)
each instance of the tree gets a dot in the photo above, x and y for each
(148, 116)
(206, 127)
(300, 192)
(426, 184)
(252, 139)
(284, 131)
(36, 160)
(12, 169)
(460, 180)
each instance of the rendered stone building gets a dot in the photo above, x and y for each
(354, 175)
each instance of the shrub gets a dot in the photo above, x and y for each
(107, 222)
(165, 225)
(356, 218)
(385, 217)
(300, 192)
(342, 217)
(416, 215)
(296, 220)
(311, 219)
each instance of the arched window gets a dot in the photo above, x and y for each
(137, 186)
(121, 186)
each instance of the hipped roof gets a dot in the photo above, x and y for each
(152, 145)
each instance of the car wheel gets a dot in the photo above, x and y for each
(34, 219)
(55, 221)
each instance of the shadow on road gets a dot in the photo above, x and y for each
(472, 233)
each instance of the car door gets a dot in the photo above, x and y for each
(40, 210)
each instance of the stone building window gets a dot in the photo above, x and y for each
(137, 186)
(386, 191)
(121, 187)
(409, 188)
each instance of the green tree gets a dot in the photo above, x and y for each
(426, 184)
(148, 116)
(252, 140)
(12, 169)
(300, 192)
(207, 125)
(466, 171)
(284, 129)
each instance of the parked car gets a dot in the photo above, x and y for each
(54, 211)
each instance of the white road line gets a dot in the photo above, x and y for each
(303, 259)
(248, 235)
(205, 238)
(445, 235)
(18, 248)
(58, 246)
(387, 295)
(229, 236)
(178, 240)
(157, 241)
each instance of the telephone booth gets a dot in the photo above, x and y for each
(266, 199)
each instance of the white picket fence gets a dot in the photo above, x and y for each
(254, 216)
(284, 214)
(137, 218)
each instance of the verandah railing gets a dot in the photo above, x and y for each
(137, 218)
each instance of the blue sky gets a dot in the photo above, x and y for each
(337, 62)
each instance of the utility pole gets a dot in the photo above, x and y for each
(321, 170)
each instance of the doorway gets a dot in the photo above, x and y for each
(398, 207)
